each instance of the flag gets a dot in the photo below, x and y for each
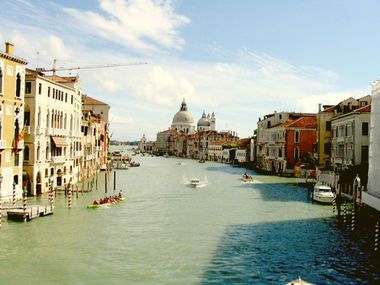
(19, 138)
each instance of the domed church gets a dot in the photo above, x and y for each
(206, 123)
(183, 120)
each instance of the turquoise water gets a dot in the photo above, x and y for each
(168, 233)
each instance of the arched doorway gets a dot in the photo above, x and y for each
(38, 183)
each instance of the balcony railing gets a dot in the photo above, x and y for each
(57, 132)
(58, 159)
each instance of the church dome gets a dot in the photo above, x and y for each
(204, 122)
(183, 119)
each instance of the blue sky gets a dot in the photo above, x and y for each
(239, 59)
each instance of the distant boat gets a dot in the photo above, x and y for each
(134, 164)
(247, 178)
(180, 163)
(299, 281)
(195, 182)
(202, 161)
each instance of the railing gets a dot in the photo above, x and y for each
(57, 132)
(58, 159)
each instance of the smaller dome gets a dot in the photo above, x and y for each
(204, 122)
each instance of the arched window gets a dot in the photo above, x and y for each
(38, 152)
(52, 118)
(1, 80)
(18, 85)
(26, 153)
(47, 153)
(47, 118)
(39, 117)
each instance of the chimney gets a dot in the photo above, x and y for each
(9, 48)
(319, 108)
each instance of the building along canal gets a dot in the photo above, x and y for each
(165, 232)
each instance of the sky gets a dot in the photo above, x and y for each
(240, 59)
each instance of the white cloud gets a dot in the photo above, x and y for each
(141, 24)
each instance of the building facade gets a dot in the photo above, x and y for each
(12, 83)
(52, 151)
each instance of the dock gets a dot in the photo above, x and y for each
(32, 212)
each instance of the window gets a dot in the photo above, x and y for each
(327, 148)
(27, 118)
(49, 91)
(328, 126)
(26, 153)
(72, 99)
(18, 85)
(65, 97)
(365, 129)
(40, 88)
(17, 159)
(296, 136)
(28, 87)
(38, 153)
(53, 93)
(47, 153)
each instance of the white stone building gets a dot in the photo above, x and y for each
(350, 138)
(53, 108)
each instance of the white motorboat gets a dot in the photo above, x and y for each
(195, 182)
(180, 163)
(299, 281)
(323, 194)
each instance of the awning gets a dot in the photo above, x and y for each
(59, 141)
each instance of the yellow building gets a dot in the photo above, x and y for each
(12, 75)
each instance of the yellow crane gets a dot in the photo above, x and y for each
(54, 69)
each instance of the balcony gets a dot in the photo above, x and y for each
(58, 159)
(57, 132)
(3, 144)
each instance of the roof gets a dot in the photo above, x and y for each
(363, 109)
(92, 101)
(304, 122)
(62, 79)
(13, 58)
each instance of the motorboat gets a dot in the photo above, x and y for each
(195, 182)
(180, 163)
(323, 194)
(134, 164)
(299, 281)
(247, 178)
(202, 161)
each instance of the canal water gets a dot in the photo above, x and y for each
(165, 232)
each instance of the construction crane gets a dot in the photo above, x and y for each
(54, 68)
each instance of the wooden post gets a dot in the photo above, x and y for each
(77, 191)
(334, 204)
(353, 218)
(114, 180)
(14, 195)
(25, 204)
(338, 200)
(69, 197)
(96, 182)
(376, 244)
(105, 181)
(344, 213)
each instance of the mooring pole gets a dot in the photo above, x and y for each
(70, 193)
(376, 245)
(114, 180)
(105, 181)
